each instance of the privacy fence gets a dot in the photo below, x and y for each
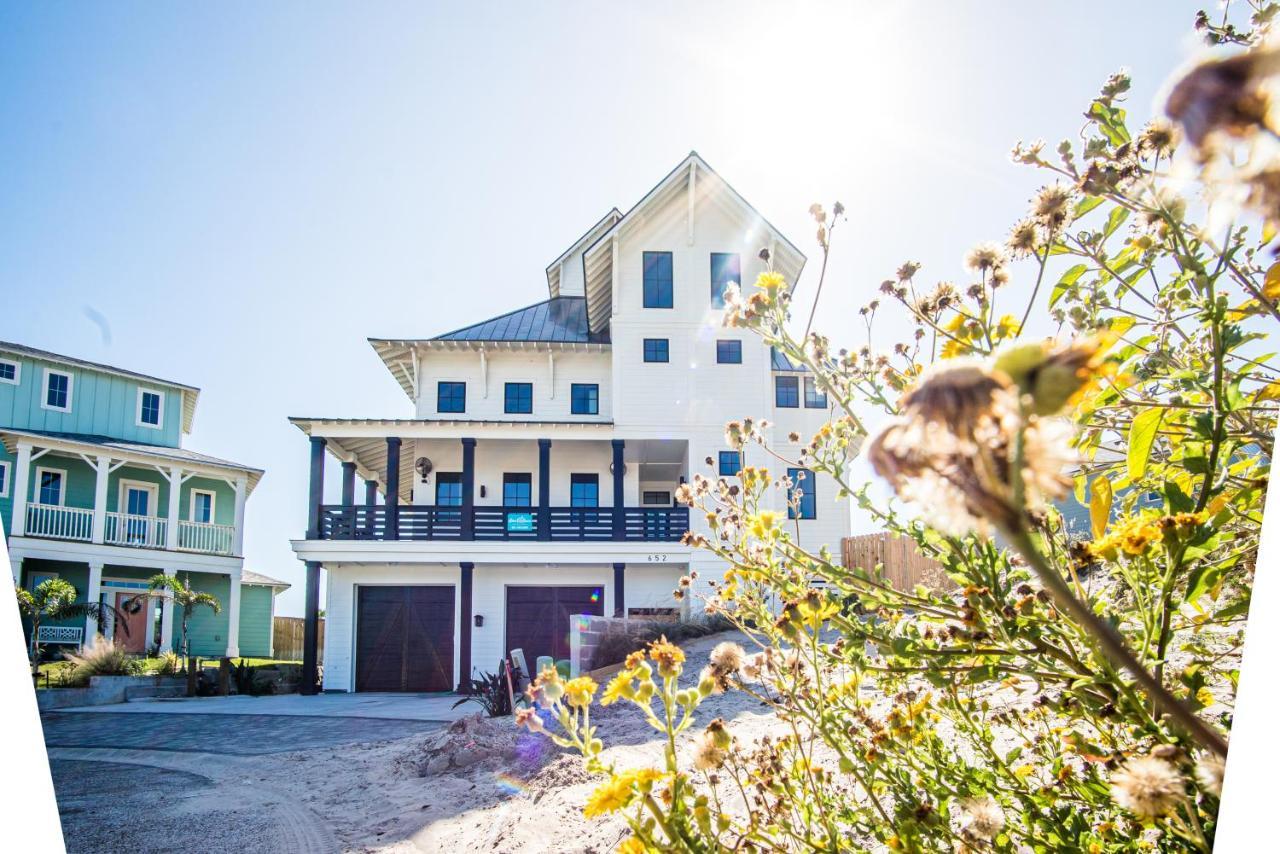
(286, 641)
(903, 566)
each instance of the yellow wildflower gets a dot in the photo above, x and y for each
(771, 282)
(667, 656)
(764, 525)
(630, 845)
(620, 687)
(578, 692)
(612, 795)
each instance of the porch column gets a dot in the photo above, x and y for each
(618, 467)
(93, 593)
(175, 502)
(18, 521)
(370, 500)
(619, 590)
(310, 629)
(392, 499)
(348, 484)
(100, 499)
(544, 489)
(166, 619)
(464, 635)
(233, 616)
(468, 489)
(237, 535)
(316, 497)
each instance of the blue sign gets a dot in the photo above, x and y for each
(519, 522)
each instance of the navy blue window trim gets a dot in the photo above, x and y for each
(729, 352)
(802, 484)
(813, 399)
(658, 287)
(584, 399)
(657, 350)
(786, 392)
(730, 463)
(449, 489)
(451, 397)
(584, 490)
(518, 398)
(726, 267)
(656, 497)
(517, 490)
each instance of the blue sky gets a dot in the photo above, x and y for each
(242, 194)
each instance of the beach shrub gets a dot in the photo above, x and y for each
(100, 658)
(492, 691)
(620, 639)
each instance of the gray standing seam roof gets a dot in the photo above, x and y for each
(559, 320)
(782, 363)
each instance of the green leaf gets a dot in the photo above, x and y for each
(1100, 506)
(1087, 204)
(1142, 434)
(1115, 219)
(1178, 501)
(1068, 279)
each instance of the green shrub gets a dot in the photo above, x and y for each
(100, 658)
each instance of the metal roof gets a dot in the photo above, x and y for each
(559, 319)
(782, 363)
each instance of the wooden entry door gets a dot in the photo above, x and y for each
(538, 618)
(133, 613)
(404, 639)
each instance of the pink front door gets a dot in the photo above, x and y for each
(134, 616)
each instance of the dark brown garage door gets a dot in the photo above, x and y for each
(538, 618)
(404, 639)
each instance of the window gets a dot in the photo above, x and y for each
(656, 497)
(584, 399)
(451, 397)
(150, 408)
(449, 489)
(10, 371)
(730, 463)
(729, 352)
(50, 485)
(786, 392)
(657, 280)
(4, 479)
(813, 399)
(202, 506)
(726, 267)
(802, 486)
(517, 490)
(57, 390)
(657, 350)
(584, 490)
(519, 398)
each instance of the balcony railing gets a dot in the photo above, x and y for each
(144, 532)
(427, 522)
(206, 537)
(122, 529)
(59, 523)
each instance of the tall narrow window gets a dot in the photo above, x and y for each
(584, 490)
(4, 479)
(451, 397)
(49, 486)
(729, 352)
(517, 490)
(813, 399)
(657, 280)
(449, 489)
(726, 267)
(519, 398)
(57, 390)
(584, 399)
(730, 463)
(201, 506)
(150, 408)
(801, 489)
(657, 350)
(786, 392)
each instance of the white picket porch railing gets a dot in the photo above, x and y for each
(147, 532)
(61, 523)
(206, 537)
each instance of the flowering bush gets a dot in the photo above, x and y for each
(1076, 692)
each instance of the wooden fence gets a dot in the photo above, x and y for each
(286, 641)
(902, 563)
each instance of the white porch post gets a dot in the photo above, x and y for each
(166, 619)
(93, 594)
(233, 617)
(237, 536)
(18, 523)
(175, 496)
(100, 499)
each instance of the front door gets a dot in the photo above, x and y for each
(132, 612)
(538, 618)
(404, 638)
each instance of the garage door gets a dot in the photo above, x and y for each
(538, 618)
(404, 639)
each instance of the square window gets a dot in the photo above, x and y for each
(150, 408)
(449, 489)
(49, 484)
(657, 350)
(519, 398)
(801, 487)
(10, 371)
(786, 392)
(4, 479)
(729, 352)
(813, 399)
(451, 397)
(517, 490)
(657, 497)
(584, 399)
(57, 390)
(726, 267)
(657, 280)
(584, 490)
(730, 463)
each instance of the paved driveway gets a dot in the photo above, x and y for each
(436, 708)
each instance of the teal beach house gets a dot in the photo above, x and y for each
(96, 488)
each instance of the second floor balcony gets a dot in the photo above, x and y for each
(57, 522)
(560, 524)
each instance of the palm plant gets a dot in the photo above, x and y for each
(179, 593)
(55, 599)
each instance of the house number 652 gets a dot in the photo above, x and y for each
(657, 558)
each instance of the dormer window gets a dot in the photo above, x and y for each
(726, 267)
(57, 390)
(658, 285)
(150, 408)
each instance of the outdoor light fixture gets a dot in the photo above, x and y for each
(479, 620)
(611, 469)
(423, 467)
(483, 492)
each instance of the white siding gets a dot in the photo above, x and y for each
(485, 399)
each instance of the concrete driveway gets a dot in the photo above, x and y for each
(436, 708)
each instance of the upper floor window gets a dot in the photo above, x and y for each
(202, 506)
(517, 490)
(451, 397)
(786, 391)
(730, 463)
(802, 489)
(657, 350)
(726, 267)
(4, 479)
(57, 390)
(813, 399)
(10, 371)
(584, 399)
(518, 398)
(656, 497)
(729, 352)
(657, 280)
(50, 486)
(584, 490)
(449, 489)
(150, 408)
